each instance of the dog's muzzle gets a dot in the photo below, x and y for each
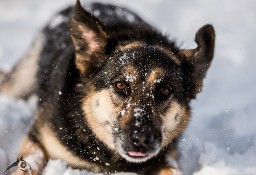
(141, 142)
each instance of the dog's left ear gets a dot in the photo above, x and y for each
(89, 39)
(197, 61)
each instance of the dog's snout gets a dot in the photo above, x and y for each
(142, 137)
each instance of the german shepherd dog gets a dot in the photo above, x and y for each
(113, 92)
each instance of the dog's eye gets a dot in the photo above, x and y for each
(163, 92)
(121, 87)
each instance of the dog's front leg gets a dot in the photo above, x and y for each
(32, 159)
(168, 170)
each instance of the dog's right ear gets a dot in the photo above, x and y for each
(89, 39)
(197, 61)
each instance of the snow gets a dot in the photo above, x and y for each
(123, 59)
(57, 21)
(35, 160)
(221, 137)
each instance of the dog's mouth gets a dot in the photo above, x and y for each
(138, 145)
(136, 154)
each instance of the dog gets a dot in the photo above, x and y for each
(113, 92)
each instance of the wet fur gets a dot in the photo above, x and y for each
(78, 109)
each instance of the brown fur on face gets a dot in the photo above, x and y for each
(175, 120)
(110, 116)
(155, 76)
(131, 45)
(101, 114)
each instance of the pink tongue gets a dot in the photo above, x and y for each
(136, 154)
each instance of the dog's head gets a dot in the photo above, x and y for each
(137, 96)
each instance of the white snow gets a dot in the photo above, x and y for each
(221, 138)
(130, 78)
(59, 167)
(57, 21)
(123, 59)
(34, 160)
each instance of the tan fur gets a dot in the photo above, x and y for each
(174, 121)
(186, 53)
(93, 47)
(168, 171)
(80, 64)
(154, 75)
(34, 155)
(56, 150)
(91, 38)
(95, 43)
(22, 80)
(100, 115)
(132, 45)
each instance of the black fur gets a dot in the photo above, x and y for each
(58, 73)
(62, 86)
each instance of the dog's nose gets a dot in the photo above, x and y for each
(142, 137)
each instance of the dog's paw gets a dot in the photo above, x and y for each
(176, 172)
(19, 172)
(170, 171)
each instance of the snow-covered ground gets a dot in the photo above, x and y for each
(221, 138)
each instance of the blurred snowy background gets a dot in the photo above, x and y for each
(221, 138)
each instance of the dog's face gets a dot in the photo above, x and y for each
(137, 101)
(137, 98)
